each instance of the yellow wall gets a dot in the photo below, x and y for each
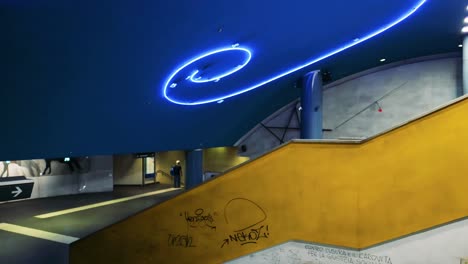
(351, 195)
(416, 177)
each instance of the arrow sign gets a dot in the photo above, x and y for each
(17, 192)
(15, 188)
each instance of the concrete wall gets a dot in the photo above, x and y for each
(128, 170)
(443, 245)
(351, 109)
(56, 185)
(351, 106)
(95, 175)
(35, 167)
(218, 160)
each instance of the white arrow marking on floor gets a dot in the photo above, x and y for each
(18, 191)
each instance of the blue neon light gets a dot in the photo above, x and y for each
(218, 77)
(194, 79)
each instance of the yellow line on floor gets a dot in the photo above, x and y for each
(86, 207)
(37, 233)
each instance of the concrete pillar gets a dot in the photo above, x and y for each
(311, 104)
(193, 168)
(465, 64)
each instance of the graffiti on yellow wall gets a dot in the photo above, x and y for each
(246, 230)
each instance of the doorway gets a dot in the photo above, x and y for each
(149, 170)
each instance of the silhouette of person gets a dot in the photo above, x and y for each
(177, 174)
(73, 163)
(5, 168)
(31, 166)
(47, 166)
(14, 169)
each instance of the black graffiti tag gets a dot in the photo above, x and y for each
(250, 228)
(199, 219)
(175, 240)
(247, 237)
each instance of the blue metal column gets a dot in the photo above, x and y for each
(465, 64)
(311, 104)
(193, 168)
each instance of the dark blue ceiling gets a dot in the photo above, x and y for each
(87, 77)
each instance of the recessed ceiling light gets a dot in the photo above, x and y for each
(465, 20)
(220, 101)
(464, 29)
(460, 46)
(382, 60)
(173, 85)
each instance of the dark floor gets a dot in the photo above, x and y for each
(16, 248)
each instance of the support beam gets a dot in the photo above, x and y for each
(311, 104)
(193, 168)
(465, 64)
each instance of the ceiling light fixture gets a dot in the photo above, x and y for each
(460, 46)
(353, 43)
(464, 29)
(382, 60)
(465, 20)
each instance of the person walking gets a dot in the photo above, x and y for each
(5, 169)
(47, 166)
(177, 170)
